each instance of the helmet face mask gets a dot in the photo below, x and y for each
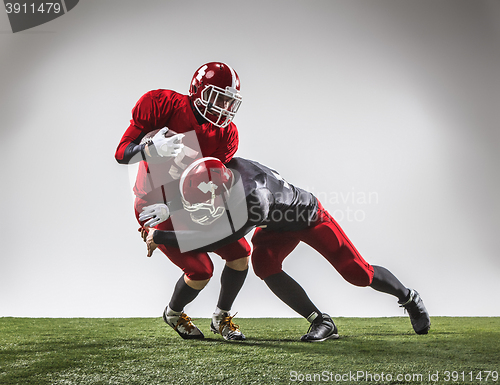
(215, 93)
(204, 213)
(205, 186)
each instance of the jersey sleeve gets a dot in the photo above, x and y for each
(129, 146)
(143, 113)
(145, 118)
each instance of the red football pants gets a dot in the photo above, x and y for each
(197, 265)
(270, 248)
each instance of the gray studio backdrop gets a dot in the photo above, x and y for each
(388, 111)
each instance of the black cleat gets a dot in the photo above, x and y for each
(324, 330)
(419, 316)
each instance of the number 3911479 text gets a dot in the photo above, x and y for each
(33, 8)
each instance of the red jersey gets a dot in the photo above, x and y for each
(164, 108)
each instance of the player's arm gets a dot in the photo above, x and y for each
(170, 238)
(155, 237)
(258, 204)
(129, 149)
(145, 119)
(155, 214)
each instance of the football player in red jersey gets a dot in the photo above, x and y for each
(247, 195)
(202, 123)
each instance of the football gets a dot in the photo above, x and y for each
(148, 138)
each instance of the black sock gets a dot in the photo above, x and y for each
(231, 282)
(386, 282)
(291, 293)
(183, 294)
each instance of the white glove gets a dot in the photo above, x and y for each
(167, 147)
(156, 214)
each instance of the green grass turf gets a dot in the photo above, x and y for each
(146, 351)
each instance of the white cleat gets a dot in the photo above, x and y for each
(183, 325)
(222, 324)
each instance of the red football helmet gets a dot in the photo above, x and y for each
(205, 185)
(215, 92)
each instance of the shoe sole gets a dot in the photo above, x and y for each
(191, 337)
(423, 331)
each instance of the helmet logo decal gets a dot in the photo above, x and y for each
(201, 72)
(205, 187)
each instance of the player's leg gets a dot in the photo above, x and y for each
(386, 282)
(198, 269)
(270, 250)
(328, 238)
(236, 256)
(232, 278)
